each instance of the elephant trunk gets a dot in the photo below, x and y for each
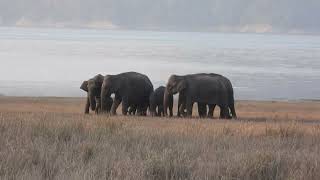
(165, 102)
(103, 98)
(86, 110)
(92, 101)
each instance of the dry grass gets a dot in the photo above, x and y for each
(50, 138)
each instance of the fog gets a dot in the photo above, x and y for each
(186, 15)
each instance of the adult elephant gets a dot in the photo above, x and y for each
(202, 88)
(202, 108)
(130, 88)
(93, 89)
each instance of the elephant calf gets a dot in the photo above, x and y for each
(156, 102)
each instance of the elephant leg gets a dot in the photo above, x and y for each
(224, 112)
(132, 110)
(98, 106)
(170, 106)
(145, 108)
(221, 114)
(182, 110)
(189, 107)
(109, 105)
(202, 110)
(97, 110)
(86, 109)
(142, 110)
(157, 111)
(179, 105)
(233, 111)
(125, 106)
(152, 110)
(135, 110)
(161, 111)
(211, 110)
(138, 111)
(115, 105)
(228, 116)
(178, 112)
(170, 110)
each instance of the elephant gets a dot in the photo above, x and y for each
(130, 88)
(209, 89)
(156, 102)
(93, 89)
(202, 109)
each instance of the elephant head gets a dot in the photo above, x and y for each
(93, 89)
(175, 85)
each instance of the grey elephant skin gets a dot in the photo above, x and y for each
(210, 89)
(130, 88)
(156, 102)
(93, 89)
(202, 108)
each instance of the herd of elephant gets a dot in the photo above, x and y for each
(137, 95)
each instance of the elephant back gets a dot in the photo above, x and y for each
(137, 84)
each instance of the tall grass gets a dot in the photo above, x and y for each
(73, 146)
(50, 138)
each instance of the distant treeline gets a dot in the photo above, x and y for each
(282, 15)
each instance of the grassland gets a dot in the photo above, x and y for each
(51, 138)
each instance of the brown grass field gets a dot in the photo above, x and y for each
(51, 138)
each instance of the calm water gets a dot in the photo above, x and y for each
(54, 62)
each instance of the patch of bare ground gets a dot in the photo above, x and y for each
(50, 138)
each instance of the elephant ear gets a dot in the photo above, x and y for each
(182, 85)
(84, 86)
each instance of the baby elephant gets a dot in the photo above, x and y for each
(156, 102)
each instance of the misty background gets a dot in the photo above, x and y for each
(280, 16)
(265, 52)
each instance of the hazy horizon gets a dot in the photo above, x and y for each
(259, 16)
(158, 38)
(54, 62)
